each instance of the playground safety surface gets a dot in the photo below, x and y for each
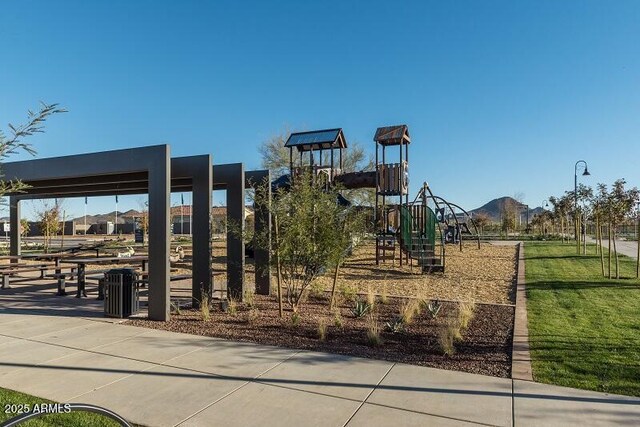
(482, 275)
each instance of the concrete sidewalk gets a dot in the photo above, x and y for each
(624, 247)
(160, 378)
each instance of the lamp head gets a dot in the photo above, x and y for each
(586, 171)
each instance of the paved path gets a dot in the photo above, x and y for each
(624, 247)
(160, 378)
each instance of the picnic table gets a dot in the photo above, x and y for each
(10, 257)
(55, 257)
(82, 266)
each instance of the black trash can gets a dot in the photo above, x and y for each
(121, 297)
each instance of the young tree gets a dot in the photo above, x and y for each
(312, 233)
(621, 205)
(508, 214)
(14, 143)
(598, 209)
(561, 208)
(25, 227)
(49, 221)
(482, 219)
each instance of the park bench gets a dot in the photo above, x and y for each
(144, 280)
(62, 277)
(7, 273)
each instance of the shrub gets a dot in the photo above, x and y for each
(409, 309)
(395, 325)
(446, 338)
(316, 290)
(295, 318)
(384, 296)
(232, 308)
(204, 307)
(465, 313)
(322, 330)
(361, 308)
(175, 305)
(371, 297)
(348, 293)
(434, 308)
(249, 298)
(252, 315)
(337, 319)
(373, 331)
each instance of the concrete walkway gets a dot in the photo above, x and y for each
(624, 247)
(160, 378)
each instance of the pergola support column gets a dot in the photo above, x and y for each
(15, 247)
(261, 183)
(159, 236)
(201, 229)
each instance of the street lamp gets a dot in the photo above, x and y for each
(575, 195)
(575, 180)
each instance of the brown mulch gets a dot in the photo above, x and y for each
(482, 275)
(485, 347)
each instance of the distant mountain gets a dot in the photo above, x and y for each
(123, 217)
(494, 208)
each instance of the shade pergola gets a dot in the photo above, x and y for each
(100, 174)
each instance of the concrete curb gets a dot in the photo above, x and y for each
(520, 356)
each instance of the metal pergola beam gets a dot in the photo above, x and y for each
(155, 161)
(191, 174)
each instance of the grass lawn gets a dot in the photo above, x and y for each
(68, 420)
(584, 330)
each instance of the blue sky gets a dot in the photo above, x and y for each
(500, 97)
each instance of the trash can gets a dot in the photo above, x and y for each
(121, 297)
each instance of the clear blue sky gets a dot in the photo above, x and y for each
(500, 97)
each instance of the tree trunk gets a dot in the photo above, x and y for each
(278, 267)
(615, 253)
(638, 253)
(577, 234)
(599, 243)
(609, 256)
(333, 288)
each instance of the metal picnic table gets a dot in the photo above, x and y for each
(82, 264)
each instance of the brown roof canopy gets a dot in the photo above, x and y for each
(392, 135)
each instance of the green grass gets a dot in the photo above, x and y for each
(584, 330)
(67, 420)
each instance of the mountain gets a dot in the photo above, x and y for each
(494, 208)
(123, 217)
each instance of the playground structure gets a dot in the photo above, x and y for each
(412, 230)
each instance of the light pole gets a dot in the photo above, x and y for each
(544, 205)
(575, 198)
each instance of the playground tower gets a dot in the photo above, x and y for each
(313, 149)
(392, 187)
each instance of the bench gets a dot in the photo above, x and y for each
(145, 278)
(20, 264)
(62, 278)
(8, 272)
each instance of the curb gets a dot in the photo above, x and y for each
(520, 356)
